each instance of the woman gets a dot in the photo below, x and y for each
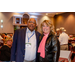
(48, 47)
(6, 50)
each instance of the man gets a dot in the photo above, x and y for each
(25, 43)
(57, 32)
(63, 39)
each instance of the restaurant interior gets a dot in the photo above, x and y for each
(11, 21)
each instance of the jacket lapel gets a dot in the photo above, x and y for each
(36, 39)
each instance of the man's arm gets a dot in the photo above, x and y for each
(14, 46)
(60, 38)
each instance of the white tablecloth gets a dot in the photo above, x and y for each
(65, 54)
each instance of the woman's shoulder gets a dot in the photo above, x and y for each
(4, 47)
(53, 36)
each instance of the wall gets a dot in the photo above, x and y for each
(7, 22)
(7, 18)
(41, 19)
(66, 20)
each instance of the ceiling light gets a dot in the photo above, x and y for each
(18, 15)
(33, 16)
(46, 13)
(56, 13)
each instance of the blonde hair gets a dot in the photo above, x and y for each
(8, 39)
(48, 23)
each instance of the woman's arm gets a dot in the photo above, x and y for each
(55, 48)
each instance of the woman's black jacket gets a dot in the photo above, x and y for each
(52, 49)
(5, 53)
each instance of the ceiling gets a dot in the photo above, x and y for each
(51, 14)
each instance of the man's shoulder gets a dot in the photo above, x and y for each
(19, 30)
(38, 33)
(66, 34)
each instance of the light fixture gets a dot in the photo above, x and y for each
(1, 26)
(18, 15)
(33, 16)
(56, 13)
(1, 21)
(46, 13)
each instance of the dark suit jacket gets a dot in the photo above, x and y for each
(18, 46)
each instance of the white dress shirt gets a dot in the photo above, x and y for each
(63, 38)
(30, 52)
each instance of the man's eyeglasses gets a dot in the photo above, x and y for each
(32, 22)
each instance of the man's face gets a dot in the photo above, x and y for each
(32, 24)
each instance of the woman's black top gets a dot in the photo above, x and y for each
(5, 53)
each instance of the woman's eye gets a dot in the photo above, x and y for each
(43, 26)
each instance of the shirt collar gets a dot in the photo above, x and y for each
(63, 32)
(28, 31)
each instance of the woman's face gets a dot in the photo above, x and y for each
(45, 28)
(9, 43)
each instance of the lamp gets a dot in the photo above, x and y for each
(1, 26)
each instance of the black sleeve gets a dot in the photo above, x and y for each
(55, 48)
(5, 51)
(58, 51)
